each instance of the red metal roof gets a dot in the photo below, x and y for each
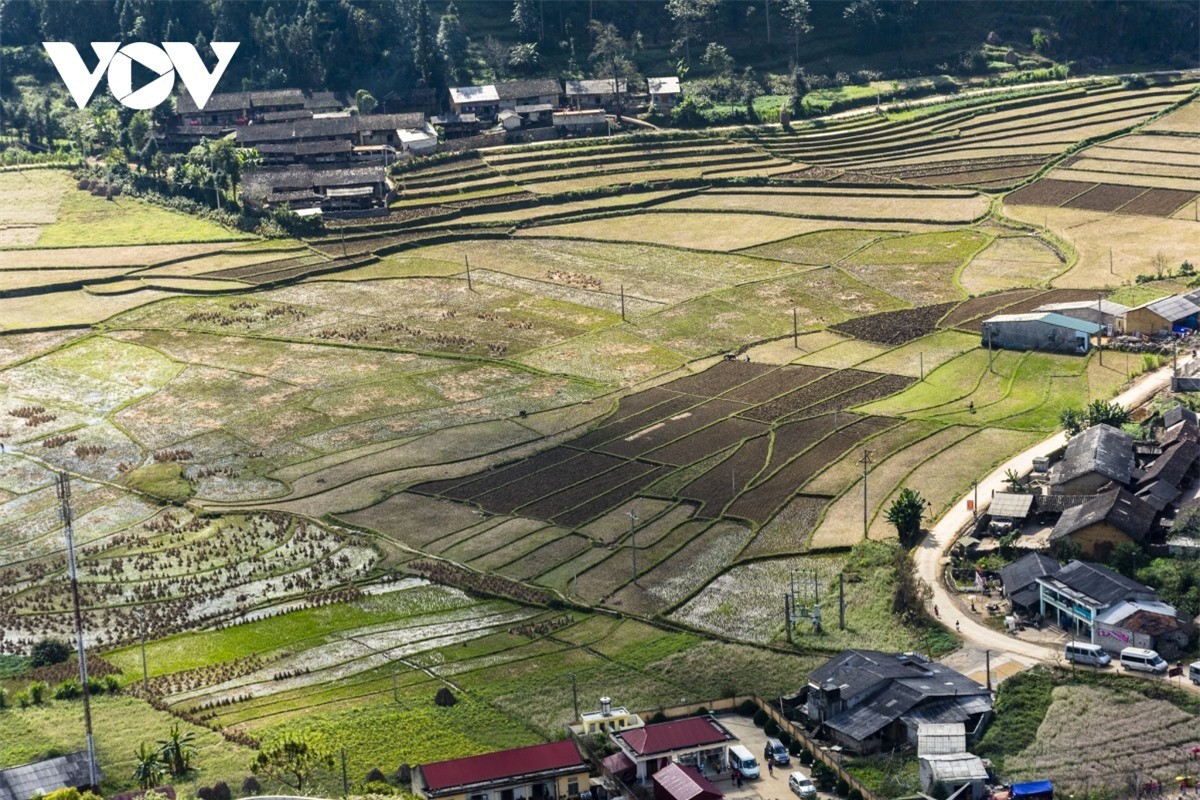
(674, 782)
(500, 765)
(679, 735)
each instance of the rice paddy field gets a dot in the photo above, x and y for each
(571, 411)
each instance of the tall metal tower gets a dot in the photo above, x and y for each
(64, 496)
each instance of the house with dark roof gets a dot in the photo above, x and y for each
(943, 760)
(43, 777)
(1077, 594)
(541, 92)
(1094, 457)
(1019, 580)
(869, 701)
(698, 741)
(1110, 518)
(596, 93)
(553, 771)
(329, 188)
(239, 108)
(1174, 469)
(1180, 422)
(1041, 330)
(676, 782)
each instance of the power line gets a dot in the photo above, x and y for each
(64, 496)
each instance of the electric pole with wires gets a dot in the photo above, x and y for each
(64, 496)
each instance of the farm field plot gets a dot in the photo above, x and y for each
(1183, 120)
(1145, 737)
(704, 230)
(1132, 241)
(817, 249)
(1010, 262)
(820, 297)
(917, 269)
(849, 205)
(923, 355)
(895, 327)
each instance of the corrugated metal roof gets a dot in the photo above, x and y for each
(684, 783)
(1025, 571)
(1099, 584)
(1105, 306)
(1101, 448)
(941, 738)
(1049, 318)
(1173, 308)
(501, 765)
(666, 737)
(663, 85)
(43, 777)
(1011, 505)
(474, 94)
(957, 767)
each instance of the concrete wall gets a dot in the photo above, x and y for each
(1144, 321)
(1098, 540)
(1033, 335)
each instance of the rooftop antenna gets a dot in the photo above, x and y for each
(64, 496)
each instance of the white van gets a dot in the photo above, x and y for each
(1136, 658)
(1194, 672)
(1091, 654)
(742, 760)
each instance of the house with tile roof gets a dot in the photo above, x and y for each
(694, 740)
(553, 771)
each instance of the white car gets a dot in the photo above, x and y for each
(802, 785)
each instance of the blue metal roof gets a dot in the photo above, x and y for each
(1031, 788)
(1070, 322)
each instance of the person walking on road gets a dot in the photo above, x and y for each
(770, 767)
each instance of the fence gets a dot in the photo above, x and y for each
(732, 704)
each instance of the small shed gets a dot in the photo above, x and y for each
(676, 782)
(664, 92)
(1043, 330)
(592, 121)
(510, 120)
(1009, 508)
(954, 772)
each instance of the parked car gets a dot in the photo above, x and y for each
(1136, 658)
(1194, 672)
(1090, 654)
(802, 785)
(775, 752)
(741, 759)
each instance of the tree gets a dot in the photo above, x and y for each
(524, 58)
(1160, 265)
(525, 17)
(148, 766)
(424, 51)
(796, 13)
(177, 750)
(905, 515)
(690, 18)
(1013, 482)
(453, 43)
(365, 101)
(612, 58)
(1127, 558)
(49, 651)
(291, 761)
(1103, 412)
(495, 55)
(716, 57)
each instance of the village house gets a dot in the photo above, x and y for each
(664, 93)
(482, 101)
(596, 93)
(544, 93)
(241, 108)
(1100, 606)
(699, 741)
(1161, 316)
(553, 771)
(943, 762)
(1101, 312)
(49, 775)
(591, 122)
(330, 189)
(1041, 330)
(1104, 521)
(1093, 458)
(1019, 580)
(870, 701)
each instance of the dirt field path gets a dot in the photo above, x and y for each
(928, 556)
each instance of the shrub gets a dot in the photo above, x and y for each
(221, 791)
(404, 774)
(841, 787)
(747, 708)
(760, 718)
(376, 776)
(206, 793)
(806, 758)
(49, 651)
(37, 692)
(658, 717)
(378, 788)
(251, 785)
(771, 729)
(785, 738)
(3, 698)
(111, 684)
(444, 697)
(854, 794)
(68, 690)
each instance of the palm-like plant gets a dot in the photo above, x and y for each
(148, 767)
(177, 750)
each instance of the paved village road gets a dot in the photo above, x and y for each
(928, 556)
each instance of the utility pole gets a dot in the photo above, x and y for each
(467, 261)
(988, 329)
(988, 656)
(395, 685)
(1100, 322)
(795, 328)
(622, 302)
(575, 696)
(633, 518)
(787, 617)
(1110, 262)
(921, 363)
(866, 462)
(345, 777)
(64, 496)
(141, 613)
(975, 503)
